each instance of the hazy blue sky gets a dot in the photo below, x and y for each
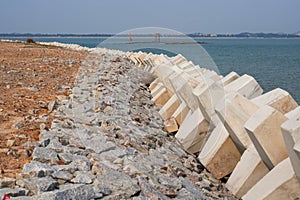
(114, 16)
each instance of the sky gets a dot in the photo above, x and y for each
(115, 16)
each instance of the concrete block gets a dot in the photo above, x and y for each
(181, 113)
(297, 149)
(208, 95)
(184, 90)
(170, 107)
(193, 131)
(232, 76)
(154, 84)
(245, 85)
(161, 98)
(279, 183)
(291, 135)
(234, 111)
(164, 72)
(264, 130)
(178, 59)
(219, 154)
(171, 125)
(294, 114)
(279, 99)
(249, 170)
(159, 86)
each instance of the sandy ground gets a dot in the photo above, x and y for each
(31, 76)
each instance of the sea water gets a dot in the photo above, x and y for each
(272, 62)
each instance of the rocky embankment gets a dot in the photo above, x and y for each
(108, 142)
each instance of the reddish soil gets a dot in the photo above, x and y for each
(31, 76)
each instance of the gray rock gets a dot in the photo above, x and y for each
(98, 144)
(55, 145)
(148, 191)
(82, 163)
(63, 175)
(13, 192)
(69, 191)
(84, 177)
(192, 189)
(44, 155)
(65, 168)
(174, 183)
(117, 182)
(38, 185)
(67, 158)
(37, 169)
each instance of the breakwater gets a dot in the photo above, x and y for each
(235, 129)
(106, 141)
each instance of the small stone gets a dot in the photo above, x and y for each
(18, 125)
(83, 177)
(37, 185)
(62, 175)
(118, 161)
(10, 143)
(44, 155)
(70, 191)
(37, 169)
(13, 192)
(42, 104)
(51, 106)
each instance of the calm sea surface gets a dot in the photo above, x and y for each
(272, 62)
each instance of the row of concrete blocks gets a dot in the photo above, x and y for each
(234, 129)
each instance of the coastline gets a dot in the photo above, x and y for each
(106, 139)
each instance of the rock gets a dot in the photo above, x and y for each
(170, 182)
(37, 169)
(63, 175)
(117, 181)
(13, 192)
(55, 145)
(38, 185)
(149, 191)
(98, 144)
(18, 125)
(67, 158)
(10, 143)
(42, 104)
(7, 182)
(83, 177)
(69, 191)
(44, 155)
(51, 106)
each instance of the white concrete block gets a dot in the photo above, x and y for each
(291, 135)
(184, 90)
(264, 130)
(279, 99)
(161, 98)
(234, 113)
(232, 76)
(297, 149)
(193, 131)
(219, 154)
(170, 107)
(279, 183)
(249, 170)
(159, 86)
(245, 85)
(181, 113)
(208, 95)
(154, 84)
